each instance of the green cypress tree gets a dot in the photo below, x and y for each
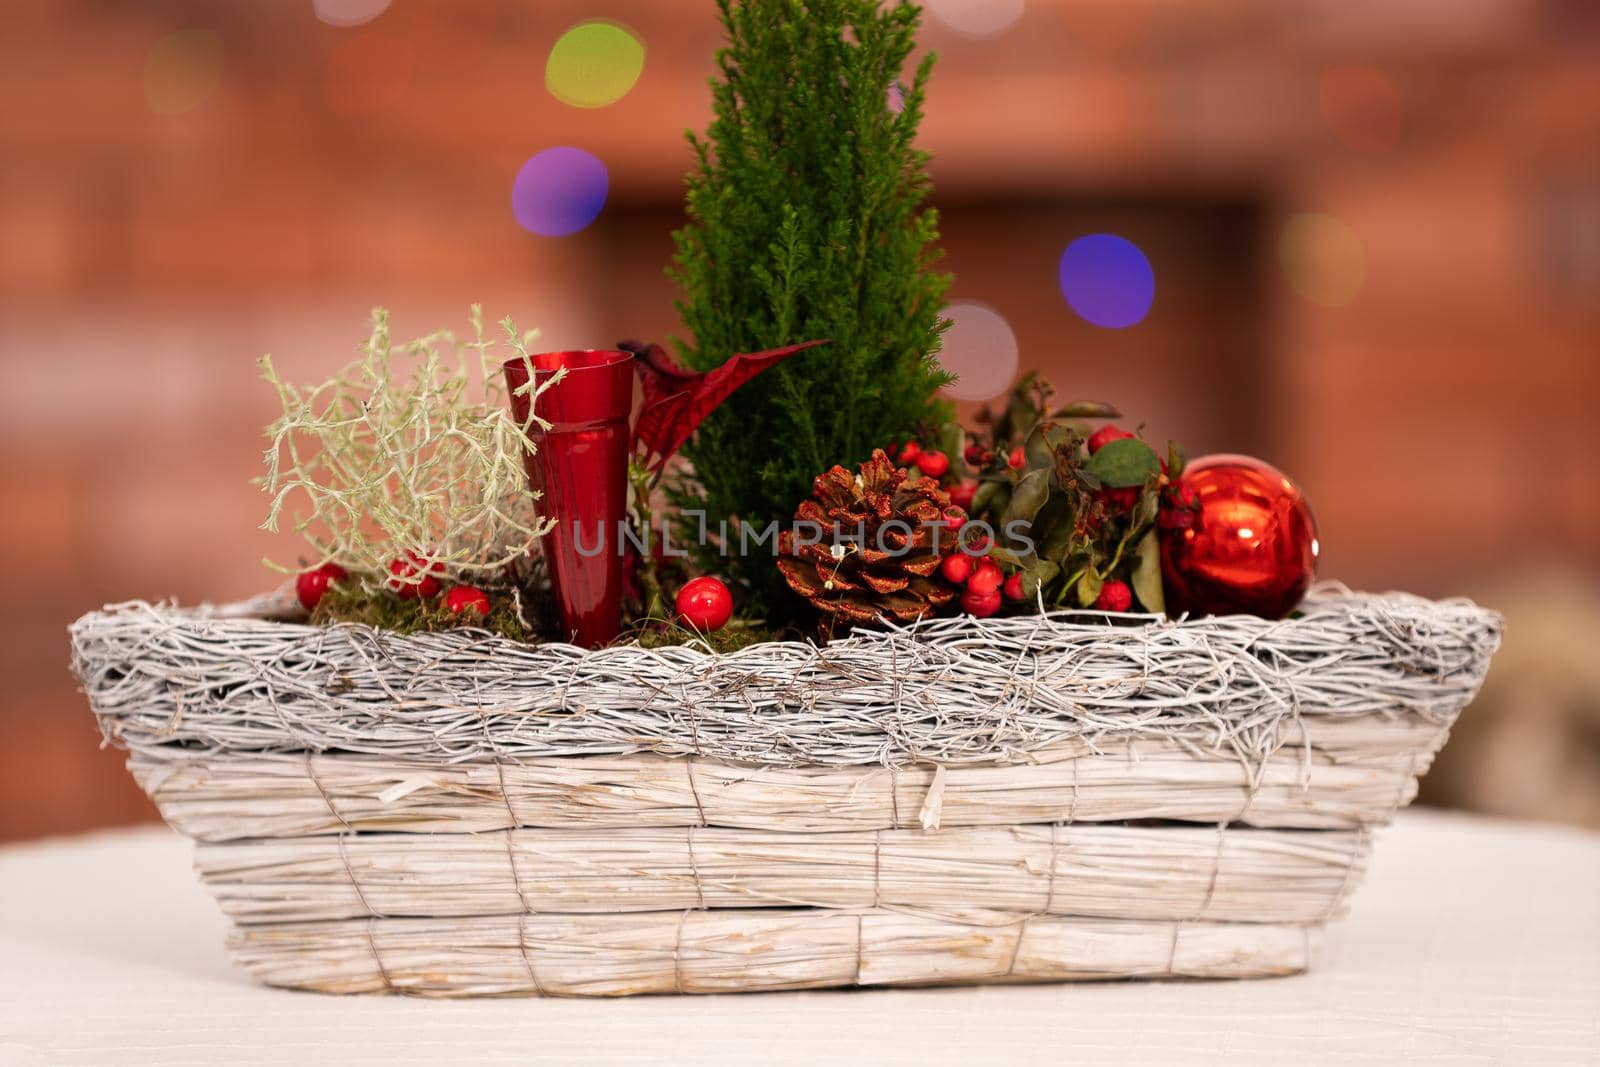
(807, 218)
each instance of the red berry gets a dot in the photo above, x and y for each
(1104, 436)
(933, 464)
(1179, 504)
(980, 604)
(956, 568)
(1018, 459)
(1013, 587)
(407, 585)
(1118, 499)
(977, 546)
(986, 577)
(467, 598)
(974, 455)
(1114, 596)
(961, 495)
(310, 585)
(704, 604)
(910, 452)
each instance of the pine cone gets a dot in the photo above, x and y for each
(879, 543)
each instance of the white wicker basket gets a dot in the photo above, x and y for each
(1032, 799)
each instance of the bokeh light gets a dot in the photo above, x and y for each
(977, 18)
(594, 64)
(980, 349)
(1322, 259)
(559, 191)
(182, 70)
(349, 12)
(897, 98)
(1107, 280)
(1362, 107)
(368, 73)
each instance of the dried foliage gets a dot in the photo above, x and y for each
(409, 449)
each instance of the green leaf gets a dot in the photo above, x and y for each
(990, 495)
(1008, 557)
(1147, 574)
(1089, 587)
(1148, 505)
(1031, 491)
(1087, 409)
(1040, 447)
(952, 442)
(1053, 528)
(1041, 573)
(1123, 463)
(1177, 459)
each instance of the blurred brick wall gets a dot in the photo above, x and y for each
(1439, 420)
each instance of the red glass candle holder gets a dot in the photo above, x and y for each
(581, 469)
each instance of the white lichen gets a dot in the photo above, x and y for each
(409, 449)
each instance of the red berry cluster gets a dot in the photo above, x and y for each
(411, 578)
(986, 585)
(935, 464)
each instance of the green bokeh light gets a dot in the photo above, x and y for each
(594, 64)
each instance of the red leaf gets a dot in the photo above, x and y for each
(676, 401)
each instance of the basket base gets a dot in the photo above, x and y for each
(748, 950)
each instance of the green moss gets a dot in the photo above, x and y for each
(732, 637)
(382, 610)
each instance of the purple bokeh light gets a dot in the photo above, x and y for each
(559, 191)
(1107, 280)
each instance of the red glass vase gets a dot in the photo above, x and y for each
(581, 469)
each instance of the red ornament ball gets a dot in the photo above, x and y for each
(704, 604)
(1252, 548)
(467, 598)
(310, 585)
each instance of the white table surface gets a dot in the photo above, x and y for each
(1473, 941)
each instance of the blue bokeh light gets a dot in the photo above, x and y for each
(559, 191)
(1107, 280)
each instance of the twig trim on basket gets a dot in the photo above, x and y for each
(943, 693)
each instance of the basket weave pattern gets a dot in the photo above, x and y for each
(1041, 798)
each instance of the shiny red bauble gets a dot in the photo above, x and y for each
(467, 598)
(704, 604)
(311, 585)
(1252, 549)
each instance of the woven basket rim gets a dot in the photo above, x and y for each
(948, 691)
